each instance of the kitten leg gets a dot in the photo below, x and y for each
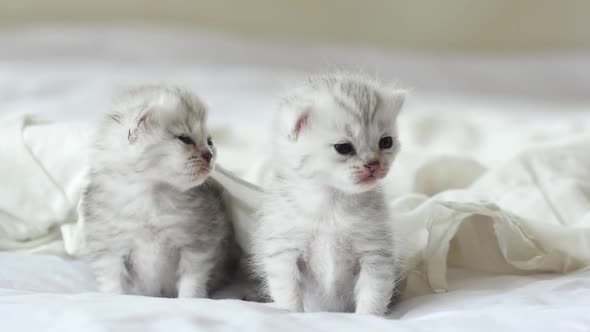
(192, 285)
(109, 284)
(282, 269)
(375, 284)
(194, 271)
(109, 275)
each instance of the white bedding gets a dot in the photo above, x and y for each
(46, 293)
(522, 162)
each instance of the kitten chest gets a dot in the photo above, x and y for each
(330, 259)
(155, 262)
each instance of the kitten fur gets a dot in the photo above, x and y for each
(326, 241)
(154, 224)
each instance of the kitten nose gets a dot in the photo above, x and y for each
(207, 156)
(372, 166)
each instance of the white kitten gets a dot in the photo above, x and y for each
(153, 226)
(325, 241)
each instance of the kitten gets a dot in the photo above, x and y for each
(325, 241)
(154, 224)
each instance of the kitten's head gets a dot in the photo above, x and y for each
(165, 130)
(340, 131)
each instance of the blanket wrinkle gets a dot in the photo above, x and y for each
(527, 214)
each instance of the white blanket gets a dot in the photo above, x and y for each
(490, 193)
(530, 214)
(46, 293)
(527, 214)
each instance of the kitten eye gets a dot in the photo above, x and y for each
(186, 139)
(209, 141)
(386, 143)
(344, 148)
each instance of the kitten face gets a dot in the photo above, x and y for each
(181, 150)
(171, 141)
(346, 142)
(362, 154)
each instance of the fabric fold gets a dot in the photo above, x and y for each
(530, 214)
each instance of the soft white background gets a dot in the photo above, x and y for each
(531, 87)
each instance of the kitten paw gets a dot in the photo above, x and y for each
(198, 294)
(289, 307)
(189, 287)
(110, 287)
(252, 295)
(370, 310)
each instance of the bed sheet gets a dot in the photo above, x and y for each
(70, 74)
(48, 293)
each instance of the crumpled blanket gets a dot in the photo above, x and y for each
(484, 192)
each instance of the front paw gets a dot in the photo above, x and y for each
(254, 295)
(292, 306)
(191, 287)
(192, 293)
(370, 309)
(110, 287)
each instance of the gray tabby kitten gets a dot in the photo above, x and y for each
(153, 224)
(326, 240)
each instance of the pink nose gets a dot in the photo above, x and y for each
(207, 156)
(373, 166)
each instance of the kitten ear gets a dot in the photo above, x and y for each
(399, 97)
(143, 121)
(300, 124)
(394, 100)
